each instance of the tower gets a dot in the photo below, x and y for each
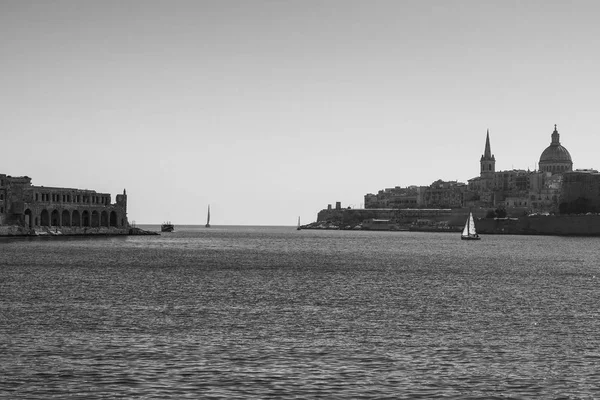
(488, 161)
(122, 207)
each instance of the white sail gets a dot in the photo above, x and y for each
(472, 225)
(465, 231)
(469, 230)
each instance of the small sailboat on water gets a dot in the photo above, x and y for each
(298, 228)
(469, 233)
(208, 218)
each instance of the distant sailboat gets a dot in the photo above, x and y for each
(469, 232)
(208, 218)
(298, 228)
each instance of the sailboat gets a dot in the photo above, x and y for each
(298, 228)
(469, 233)
(208, 218)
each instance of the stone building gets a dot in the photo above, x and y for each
(580, 192)
(25, 205)
(397, 197)
(440, 194)
(518, 189)
(534, 190)
(444, 194)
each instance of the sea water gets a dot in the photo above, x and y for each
(272, 312)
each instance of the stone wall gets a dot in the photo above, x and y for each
(403, 216)
(567, 225)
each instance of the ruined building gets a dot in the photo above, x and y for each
(34, 208)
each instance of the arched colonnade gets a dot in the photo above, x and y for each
(74, 218)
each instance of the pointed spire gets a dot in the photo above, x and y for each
(488, 149)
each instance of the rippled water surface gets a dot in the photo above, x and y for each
(242, 312)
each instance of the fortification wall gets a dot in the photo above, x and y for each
(403, 216)
(568, 225)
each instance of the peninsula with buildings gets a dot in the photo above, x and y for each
(555, 200)
(28, 210)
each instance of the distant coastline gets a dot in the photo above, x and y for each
(452, 220)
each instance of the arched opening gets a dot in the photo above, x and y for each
(104, 218)
(55, 218)
(76, 218)
(66, 218)
(45, 218)
(113, 218)
(28, 219)
(95, 219)
(85, 218)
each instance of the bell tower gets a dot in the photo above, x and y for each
(488, 161)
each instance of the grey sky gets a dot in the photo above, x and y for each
(272, 109)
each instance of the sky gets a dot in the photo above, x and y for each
(269, 110)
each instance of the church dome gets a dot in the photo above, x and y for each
(555, 153)
(555, 158)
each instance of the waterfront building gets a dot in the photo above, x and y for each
(25, 205)
(397, 197)
(444, 194)
(537, 191)
(579, 192)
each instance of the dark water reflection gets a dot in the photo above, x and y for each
(272, 312)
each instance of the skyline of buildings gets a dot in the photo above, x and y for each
(537, 191)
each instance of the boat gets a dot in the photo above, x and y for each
(208, 218)
(298, 228)
(469, 233)
(167, 227)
